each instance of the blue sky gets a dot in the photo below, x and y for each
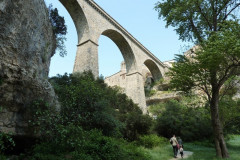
(138, 17)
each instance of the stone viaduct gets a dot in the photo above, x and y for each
(91, 22)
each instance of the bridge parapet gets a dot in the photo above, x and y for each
(123, 30)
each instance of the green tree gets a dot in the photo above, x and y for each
(230, 115)
(188, 122)
(59, 29)
(192, 18)
(209, 68)
(91, 104)
(84, 101)
(91, 124)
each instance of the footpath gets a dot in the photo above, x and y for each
(186, 154)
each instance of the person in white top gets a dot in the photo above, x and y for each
(181, 150)
(174, 143)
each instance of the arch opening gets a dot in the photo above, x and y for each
(154, 70)
(109, 57)
(124, 47)
(78, 17)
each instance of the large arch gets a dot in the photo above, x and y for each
(124, 47)
(91, 21)
(153, 68)
(78, 16)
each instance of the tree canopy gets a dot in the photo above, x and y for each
(214, 64)
(193, 18)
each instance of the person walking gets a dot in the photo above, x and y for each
(174, 143)
(180, 141)
(181, 150)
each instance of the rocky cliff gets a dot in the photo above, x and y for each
(26, 47)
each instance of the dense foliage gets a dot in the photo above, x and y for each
(6, 142)
(92, 104)
(73, 142)
(193, 19)
(152, 140)
(211, 68)
(230, 115)
(94, 122)
(187, 122)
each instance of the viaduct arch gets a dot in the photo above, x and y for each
(153, 68)
(91, 22)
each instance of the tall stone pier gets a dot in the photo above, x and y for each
(91, 22)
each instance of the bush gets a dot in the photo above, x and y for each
(84, 101)
(2, 157)
(189, 123)
(152, 140)
(6, 142)
(229, 111)
(92, 104)
(91, 119)
(149, 93)
(76, 143)
(136, 125)
(156, 109)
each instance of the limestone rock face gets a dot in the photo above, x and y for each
(26, 47)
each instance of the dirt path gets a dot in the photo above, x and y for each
(186, 154)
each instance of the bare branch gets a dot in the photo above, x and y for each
(228, 72)
(206, 91)
(223, 7)
(237, 5)
(230, 86)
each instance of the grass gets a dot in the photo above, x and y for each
(163, 152)
(201, 152)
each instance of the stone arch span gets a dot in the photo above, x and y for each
(91, 21)
(76, 12)
(124, 47)
(153, 68)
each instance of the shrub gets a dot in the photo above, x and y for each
(149, 93)
(152, 140)
(75, 143)
(6, 142)
(136, 125)
(229, 111)
(92, 116)
(189, 123)
(156, 109)
(84, 101)
(2, 157)
(91, 104)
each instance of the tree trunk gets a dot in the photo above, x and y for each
(220, 145)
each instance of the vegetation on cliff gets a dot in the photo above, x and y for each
(59, 30)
